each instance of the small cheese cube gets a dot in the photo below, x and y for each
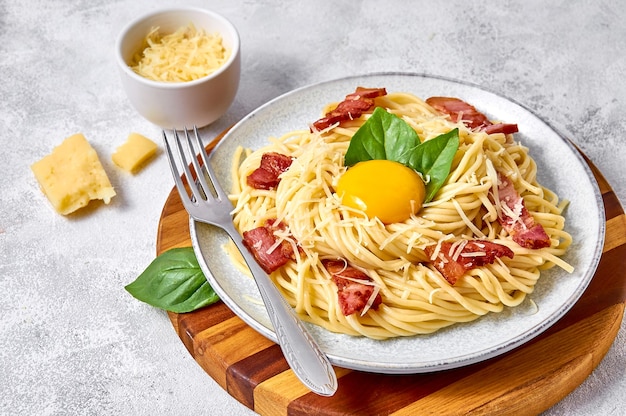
(131, 155)
(72, 175)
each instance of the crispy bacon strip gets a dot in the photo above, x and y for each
(261, 242)
(353, 295)
(458, 109)
(515, 218)
(454, 259)
(266, 176)
(352, 107)
(504, 128)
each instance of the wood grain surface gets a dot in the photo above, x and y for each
(525, 381)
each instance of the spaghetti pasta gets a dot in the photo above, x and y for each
(416, 298)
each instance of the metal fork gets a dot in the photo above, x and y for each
(210, 204)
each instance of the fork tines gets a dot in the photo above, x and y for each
(202, 188)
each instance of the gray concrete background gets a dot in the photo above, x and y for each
(72, 341)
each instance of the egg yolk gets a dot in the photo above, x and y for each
(382, 188)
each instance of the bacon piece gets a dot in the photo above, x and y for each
(454, 259)
(261, 242)
(352, 107)
(266, 176)
(503, 128)
(353, 295)
(515, 218)
(458, 109)
(362, 93)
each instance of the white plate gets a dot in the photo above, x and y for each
(560, 167)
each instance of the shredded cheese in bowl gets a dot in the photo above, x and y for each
(185, 55)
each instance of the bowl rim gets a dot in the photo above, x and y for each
(235, 50)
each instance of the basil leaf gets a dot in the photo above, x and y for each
(174, 282)
(433, 159)
(387, 136)
(382, 136)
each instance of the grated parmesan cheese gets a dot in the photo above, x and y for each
(371, 300)
(474, 254)
(185, 55)
(432, 293)
(456, 248)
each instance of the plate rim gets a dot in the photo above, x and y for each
(459, 360)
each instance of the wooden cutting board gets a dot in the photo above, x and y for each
(525, 381)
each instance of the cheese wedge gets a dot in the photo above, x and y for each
(72, 175)
(131, 155)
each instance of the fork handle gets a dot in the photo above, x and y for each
(300, 349)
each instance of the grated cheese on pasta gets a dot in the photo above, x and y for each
(416, 298)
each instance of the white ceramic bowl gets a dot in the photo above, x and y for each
(180, 104)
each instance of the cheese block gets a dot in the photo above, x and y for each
(72, 175)
(131, 155)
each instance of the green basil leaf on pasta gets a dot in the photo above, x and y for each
(433, 159)
(174, 282)
(387, 136)
(382, 136)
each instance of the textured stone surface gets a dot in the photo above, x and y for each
(72, 341)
